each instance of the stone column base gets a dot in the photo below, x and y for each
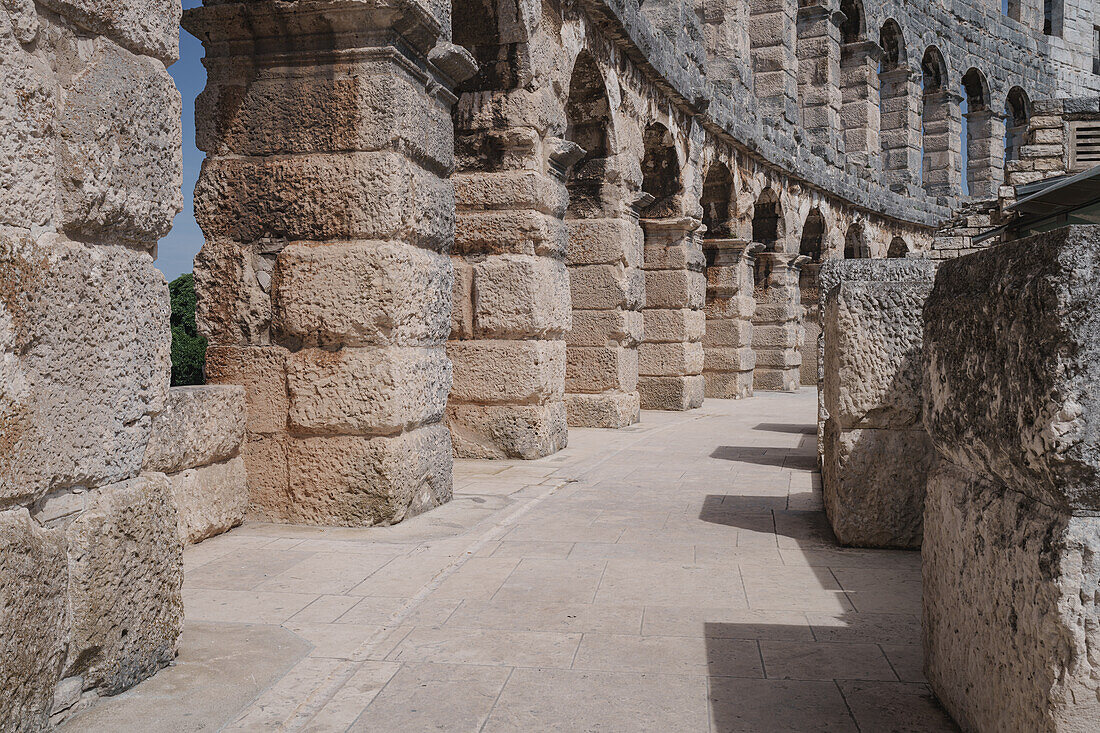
(614, 410)
(671, 393)
(728, 385)
(508, 431)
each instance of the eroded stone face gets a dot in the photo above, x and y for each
(210, 499)
(1010, 607)
(1012, 353)
(92, 338)
(125, 566)
(199, 425)
(33, 619)
(149, 27)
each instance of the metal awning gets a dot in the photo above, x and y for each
(1054, 196)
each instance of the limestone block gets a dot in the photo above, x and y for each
(670, 359)
(125, 584)
(519, 295)
(1010, 616)
(90, 339)
(874, 485)
(779, 359)
(462, 300)
(873, 334)
(210, 499)
(680, 256)
(28, 108)
(777, 312)
(741, 307)
(609, 410)
(775, 379)
(671, 393)
(119, 144)
(603, 287)
(366, 391)
(674, 325)
(362, 195)
(511, 189)
(1012, 360)
(198, 425)
(782, 336)
(507, 431)
(675, 289)
(728, 385)
(262, 372)
(33, 622)
(605, 328)
(604, 241)
(233, 307)
(267, 474)
(600, 369)
(148, 27)
(728, 332)
(360, 293)
(492, 371)
(509, 232)
(357, 482)
(728, 359)
(277, 110)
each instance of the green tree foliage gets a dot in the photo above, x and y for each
(188, 347)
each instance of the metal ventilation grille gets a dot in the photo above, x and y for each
(1084, 145)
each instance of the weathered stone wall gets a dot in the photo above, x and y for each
(876, 453)
(90, 172)
(728, 358)
(197, 441)
(1011, 346)
(324, 284)
(777, 334)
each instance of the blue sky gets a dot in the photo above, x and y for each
(178, 249)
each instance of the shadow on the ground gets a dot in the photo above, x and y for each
(779, 457)
(782, 427)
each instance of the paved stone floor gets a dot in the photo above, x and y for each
(675, 576)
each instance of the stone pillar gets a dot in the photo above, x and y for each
(511, 297)
(728, 358)
(942, 143)
(773, 39)
(985, 138)
(325, 283)
(1011, 554)
(608, 290)
(877, 455)
(725, 36)
(91, 565)
(777, 323)
(819, 77)
(900, 121)
(670, 358)
(811, 322)
(859, 117)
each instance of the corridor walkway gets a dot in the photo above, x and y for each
(675, 576)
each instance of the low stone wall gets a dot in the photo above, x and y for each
(197, 441)
(1012, 519)
(876, 452)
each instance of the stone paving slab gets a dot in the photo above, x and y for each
(675, 576)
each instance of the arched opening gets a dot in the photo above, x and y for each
(898, 248)
(1017, 120)
(588, 115)
(812, 244)
(855, 243)
(859, 87)
(981, 159)
(940, 128)
(717, 192)
(661, 173)
(899, 114)
(767, 220)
